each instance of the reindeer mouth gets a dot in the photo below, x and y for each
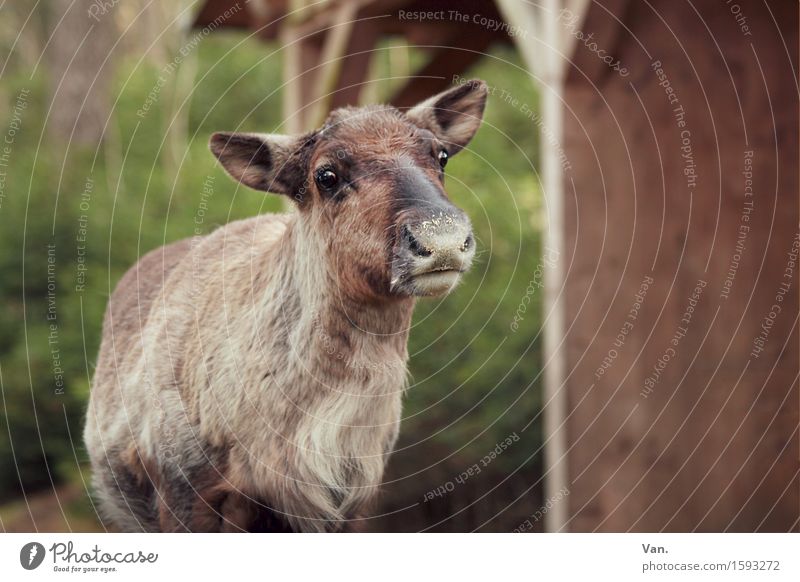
(429, 283)
(430, 275)
(431, 253)
(435, 282)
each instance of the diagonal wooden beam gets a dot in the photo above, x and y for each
(437, 74)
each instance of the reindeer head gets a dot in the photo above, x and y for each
(370, 184)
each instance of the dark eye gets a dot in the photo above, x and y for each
(443, 158)
(326, 178)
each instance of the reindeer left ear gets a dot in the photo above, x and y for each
(453, 115)
(267, 162)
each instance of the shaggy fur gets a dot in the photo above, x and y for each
(252, 379)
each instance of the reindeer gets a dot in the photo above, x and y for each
(251, 379)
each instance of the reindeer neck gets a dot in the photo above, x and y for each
(336, 321)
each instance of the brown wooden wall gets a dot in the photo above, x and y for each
(713, 445)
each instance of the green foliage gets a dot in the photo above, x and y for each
(41, 348)
(474, 378)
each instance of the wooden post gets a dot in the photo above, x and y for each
(544, 57)
(682, 417)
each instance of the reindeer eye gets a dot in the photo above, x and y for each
(443, 158)
(326, 178)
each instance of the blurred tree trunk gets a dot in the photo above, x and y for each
(22, 36)
(80, 68)
(153, 29)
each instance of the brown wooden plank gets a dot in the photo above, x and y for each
(211, 10)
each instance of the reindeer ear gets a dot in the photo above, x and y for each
(453, 115)
(261, 161)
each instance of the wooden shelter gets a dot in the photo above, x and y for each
(328, 46)
(671, 315)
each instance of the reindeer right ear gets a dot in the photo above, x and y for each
(453, 115)
(261, 161)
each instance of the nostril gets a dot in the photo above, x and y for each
(416, 248)
(467, 244)
(413, 244)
